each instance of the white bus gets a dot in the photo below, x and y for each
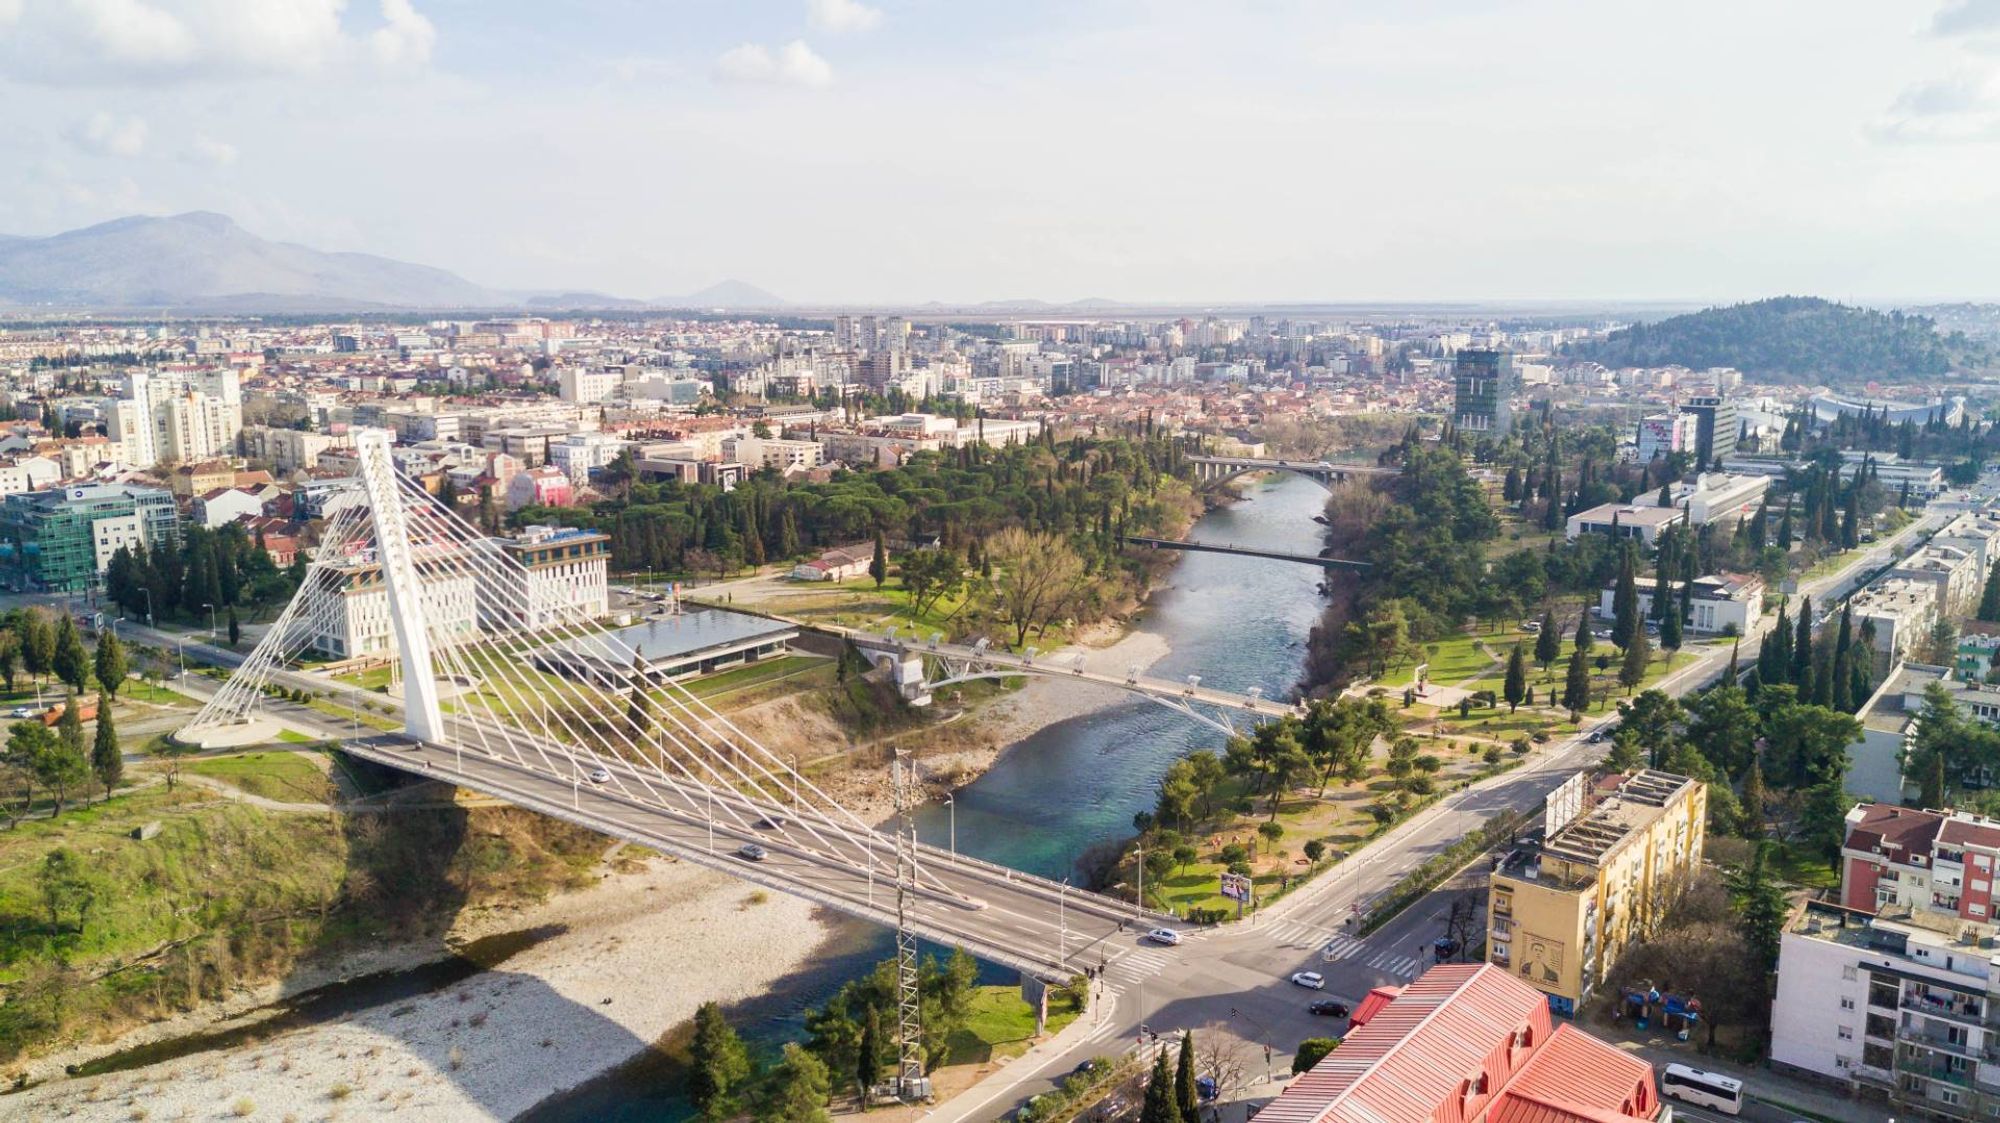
(1703, 1089)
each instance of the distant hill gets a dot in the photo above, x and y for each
(724, 294)
(1794, 338)
(203, 260)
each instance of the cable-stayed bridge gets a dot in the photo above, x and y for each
(509, 692)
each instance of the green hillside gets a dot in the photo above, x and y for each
(1798, 338)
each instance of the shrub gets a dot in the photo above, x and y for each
(340, 1092)
(1492, 754)
(242, 1108)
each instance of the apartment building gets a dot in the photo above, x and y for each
(1894, 991)
(1612, 861)
(1956, 575)
(1903, 612)
(1483, 390)
(1664, 433)
(772, 452)
(287, 450)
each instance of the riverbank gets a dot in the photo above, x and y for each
(633, 956)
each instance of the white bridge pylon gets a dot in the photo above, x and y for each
(509, 691)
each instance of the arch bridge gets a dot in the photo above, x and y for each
(1214, 471)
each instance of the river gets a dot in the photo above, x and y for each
(1237, 622)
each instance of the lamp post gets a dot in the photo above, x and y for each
(1062, 920)
(1139, 896)
(211, 620)
(149, 606)
(951, 809)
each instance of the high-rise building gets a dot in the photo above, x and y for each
(164, 416)
(1716, 427)
(1483, 391)
(1611, 863)
(64, 537)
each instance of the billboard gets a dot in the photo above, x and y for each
(1563, 804)
(1236, 887)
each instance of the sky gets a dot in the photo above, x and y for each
(880, 151)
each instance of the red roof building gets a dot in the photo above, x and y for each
(1465, 1043)
(1940, 863)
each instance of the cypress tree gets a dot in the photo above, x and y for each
(1159, 1104)
(1576, 684)
(1624, 602)
(1989, 600)
(105, 757)
(1752, 822)
(109, 663)
(1633, 671)
(1185, 1096)
(1584, 638)
(1516, 687)
(879, 567)
(1548, 645)
(1802, 649)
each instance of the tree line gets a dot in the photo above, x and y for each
(225, 568)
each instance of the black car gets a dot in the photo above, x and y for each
(1328, 1008)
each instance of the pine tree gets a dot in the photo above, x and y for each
(1802, 649)
(1159, 1104)
(717, 1063)
(1935, 792)
(1752, 815)
(109, 663)
(1584, 638)
(1637, 654)
(1576, 683)
(879, 567)
(1761, 906)
(1624, 601)
(1548, 644)
(1989, 600)
(1516, 687)
(1186, 1098)
(106, 759)
(70, 663)
(868, 1058)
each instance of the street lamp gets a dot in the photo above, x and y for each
(951, 808)
(1139, 897)
(149, 606)
(211, 620)
(1062, 920)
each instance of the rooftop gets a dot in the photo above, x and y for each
(1631, 807)
(671, 638)
(1631, 514)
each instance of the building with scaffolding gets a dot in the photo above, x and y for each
(1610, 861)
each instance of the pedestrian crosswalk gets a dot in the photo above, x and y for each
(1336, 946)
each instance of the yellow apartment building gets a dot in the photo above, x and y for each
(1613, 859)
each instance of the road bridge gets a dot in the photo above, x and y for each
(921, 666)
(1320, 560)
(1213, 471)
(531, 715)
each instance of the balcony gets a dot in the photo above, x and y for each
(1970, 1011)
(1921, 1040)
(1939, 1073)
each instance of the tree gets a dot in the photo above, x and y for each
(1751, 817)
(717, 1063)
(1576, 684)
(1038, 578)
(69, 731)
(38, 643)
(106, 759)
(1638, 653)
(1185, 1097)
(1989, 600)
(235, 628)
(1760, 906)
(1625, 601)
(1653, 719)
(69, 661)
(1311, 1051)
(56, 766)
(1159, 1105)
(1516, 687)
(109, 663)
(1548, 644)
(10, 658)
(878, 568)
(930, 576)
(868, 1058)
(67, 886)
(1722, 726)
(798, 1089)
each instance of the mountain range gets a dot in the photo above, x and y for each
(206, 262)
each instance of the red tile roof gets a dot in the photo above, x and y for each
(1897, 831)
(1459, 1045)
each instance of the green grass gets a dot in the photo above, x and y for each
(1000, 1023)
(753, 674)
(1457, 658)
(284, 776)
(294, 737)
(368, 679)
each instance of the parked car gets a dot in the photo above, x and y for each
(1165, 936)
(751, 852)
(1328, 1008)
(1312, 980)
(1596, 735)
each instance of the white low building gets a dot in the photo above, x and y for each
(1731, 603)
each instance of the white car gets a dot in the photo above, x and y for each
(1165, 936)
(1311, 980)
(598, 776)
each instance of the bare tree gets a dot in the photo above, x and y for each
(1229, 1059)
(1036, 577)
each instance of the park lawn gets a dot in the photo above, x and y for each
(1000, 1023)
(284, 776)
(368, 679)
(1340, 820)
(1452, 660)
(294, 737)
(753, 674)
(213, 862)
(1832, 563)
(1799, 866)
(139, 690)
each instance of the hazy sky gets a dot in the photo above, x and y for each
(879, 150)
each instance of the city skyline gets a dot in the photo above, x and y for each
(1166, 155)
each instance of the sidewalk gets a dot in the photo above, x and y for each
(1802, 1097)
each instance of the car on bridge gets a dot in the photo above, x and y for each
(1311, 980)
(1165, 936)
(751, 852)
(598, 776)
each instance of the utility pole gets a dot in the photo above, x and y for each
(911, 1083)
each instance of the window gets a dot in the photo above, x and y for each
(1845, 1033)
(1849, 972)
(1846, 1003)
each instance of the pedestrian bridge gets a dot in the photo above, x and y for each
(1214, 471)
(486, 706)
(921, 666)
(1320, 560)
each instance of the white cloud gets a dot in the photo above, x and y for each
(1964, 108)
(841, 16)
(405, 38)
(795, 64)
(107, 134)
(80, 42)
(221, 153)
(1967, 17)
